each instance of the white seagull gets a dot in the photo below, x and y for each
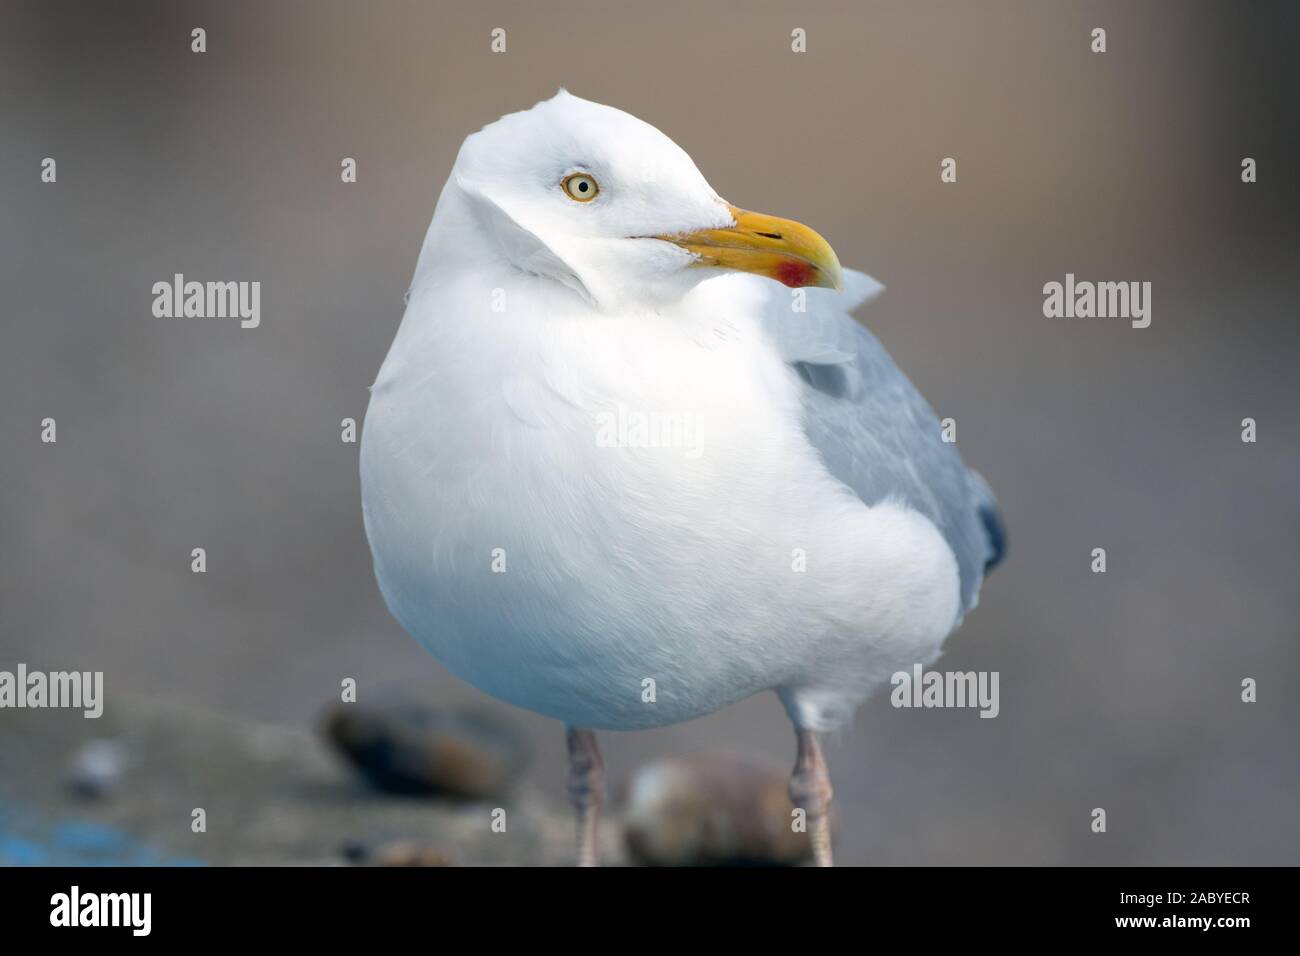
(630, 460)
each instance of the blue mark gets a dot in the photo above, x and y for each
(28, 839)
(90, 837)
(15, 851)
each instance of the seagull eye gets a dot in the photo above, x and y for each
(580, 186)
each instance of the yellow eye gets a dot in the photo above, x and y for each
(580, 186)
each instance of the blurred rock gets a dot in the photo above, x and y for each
(412, 748)
(274, 795)
(711, 810)
(399, 853)
(96, 769)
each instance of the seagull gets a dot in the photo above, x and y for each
(629, 458)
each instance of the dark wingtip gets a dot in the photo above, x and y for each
(996, 531)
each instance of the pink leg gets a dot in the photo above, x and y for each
(810, 790)
(586, 791)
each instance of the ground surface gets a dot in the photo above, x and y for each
(272, 795)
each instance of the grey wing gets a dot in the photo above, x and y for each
(878, 435)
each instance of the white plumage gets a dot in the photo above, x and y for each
(560, 570)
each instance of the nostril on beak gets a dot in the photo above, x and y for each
(770, 235)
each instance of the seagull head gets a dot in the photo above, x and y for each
(608, 206)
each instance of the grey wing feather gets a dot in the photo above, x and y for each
(878, 435)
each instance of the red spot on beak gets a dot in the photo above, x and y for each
(794, 273)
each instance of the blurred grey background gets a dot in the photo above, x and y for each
(1119, 690)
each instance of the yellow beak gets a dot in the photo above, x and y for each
(780, 249)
